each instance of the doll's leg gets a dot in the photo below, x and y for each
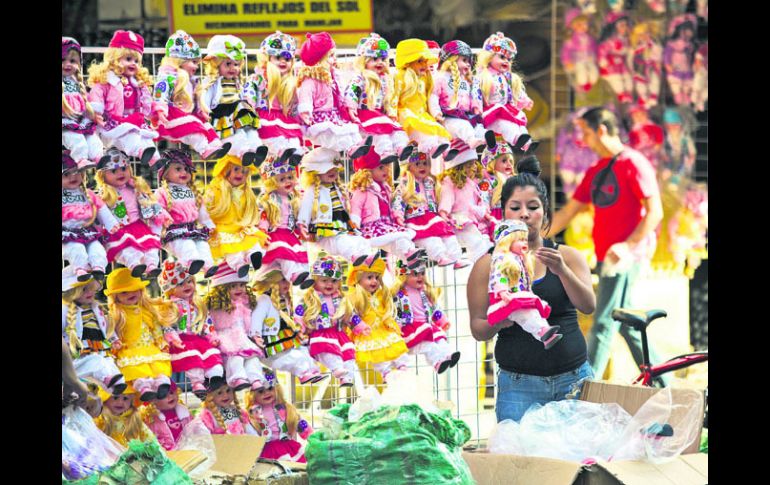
(97, 256)
(101, 369)
(352, 368)
(129, 257)
(236, 260)
(530, 321)
(130, 143)
(402, 362)
(581, 75)
(277, 145)
(334, 363)
(296, 362)
(235, 369)
(686, 90)
(383, 144)
(348, 246)
(654, 88)
(432, 352)
(475, 243)
(383, 368)
(214, 371)
(510, 131)
(400, 140)
(256, 249)
(593, 72)
(239, 142)
(615, 81)
(453, 249)
(77, 145)
(463, 130)
(196, 376)
(433, 247)
(292, 269)
(253, 369)
(201, 144)
(151, 259)
(676, 88)
(204, 253)
(183, 250)
(95, 147)
(401, 247)
(76, 254)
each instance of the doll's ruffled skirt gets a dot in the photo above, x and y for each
(330, 131)
(231, 240)
(418, 332)
(422, 123)
(284, 245)
(286, 450)
(429, 225)
(332, 341)
(382, 345)
(143, 362)
(197, 353)
(499, 310)
(181, 124)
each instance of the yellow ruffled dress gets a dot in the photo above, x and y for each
(142, 338)
(231, 236)
(413, 111)
(385, 342)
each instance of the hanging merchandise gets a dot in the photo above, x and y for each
(578, 54)
(682, 235)
(679, 148)
(572, 154)
(646, 61)
(678, 57)
(700, 83)
(646, 136)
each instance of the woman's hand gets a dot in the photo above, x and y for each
(553, 259)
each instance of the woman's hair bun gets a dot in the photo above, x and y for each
(529, 164)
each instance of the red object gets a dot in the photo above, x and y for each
(653, 132)
(128, 40)
(315, 48)
(432, 44)
(370, 160)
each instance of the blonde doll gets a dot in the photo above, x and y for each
(273, 321)
(78, 119)
(271, 90)
(187, 237)
(222, 413)
(278, 421)
(497, 162)
(368, 311)
(647, 61)
(510, 285)
(456, 97)
(369, 100)
(613, 53)
(220, 99)
(140, 349)
(121, 419)
(136, 244)
(167, 418)
(329, 344)
(234, 209)
(174, 109)
(120, 92)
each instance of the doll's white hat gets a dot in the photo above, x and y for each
(320, 160)
(508, 226)
(226, 47)
(69, 280)
(182, 46)
(225, 275)
(465, 154)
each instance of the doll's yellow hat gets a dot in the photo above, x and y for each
(223, 162)
(410, 50)
(378, 266)
(104, 395)
(121, 281)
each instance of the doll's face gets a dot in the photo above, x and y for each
(89, 293)
(72, 179)
(520, 246)
(236, 175)
(329, 177)
(673, 128)
(130, 63)
(230, 69)
(500, 63)
(580, 25)
(264, 396)
(191, 66)
(327, 286)
(504, 164)
(237, 291)
(186, 290)
(286, 182)
(283, 287)
(525, 205)
(283, 64)
(117, 177)
(420, 66)
(416, 280)
(223, 396)
(332, 59)
(419, 169)
(119, 404)
(128, 297)
(369, 281)
(70, 65)
(168, 403)
(381, 174)
(464, 65)
(621, 27)
(377, 64)
(178, 173)
(469, 168)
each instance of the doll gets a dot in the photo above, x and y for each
(120, 92)
(140, 349)
(646, 61)
(510, 285)
(278, 421)
(369, 100)
(234, 209)
(88, 333)
(415, 201)
(503, 93)
(174, 109)
(323, 212)
(572, 154)
(271, 90)
(167, 418)
(81, 208)
(700, 83)
(321, 106)
(220, 99)
(329, 344)
(613, 53)
(280, 203)
(222, 413)
(231, 303)
(121, 419)
(190, 348)
(273, 322)
(460, 202)
(423, 324)
(78, 119)
(368, 311)
(678, 57)
(578, 54)
(497, 161)
(645, 136)
(187, 238)
(678, 148)
(136, 244)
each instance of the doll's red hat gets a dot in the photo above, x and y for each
(315, 48)
(432, 44)
(128, 40)
(368, 161)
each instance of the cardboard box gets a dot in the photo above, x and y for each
(186, 459)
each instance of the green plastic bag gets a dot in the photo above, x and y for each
(393, 445)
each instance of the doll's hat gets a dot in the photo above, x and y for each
(279, 44)
(613, 17)
(173, 275)
(223, 162)
(455, 48)
(571, 15)
(112, 159)
(672, 117)
(369, 161)
(320, 160)
(67, 162)
(270, 378)
(420, 265)
(226, 47)
(328, 267)
(315, 47)
(121, 281)
(500, 44)
(373, 46)
(432, 45)
(410, 50)
(464, 154)
(69, 280)
(225, 275)
(378, 266)
(509, 226)
(501, 147)
(274, 166)
(67, 44)
(682, 19)
(128, 40)
(104, 394)
(417, 156)
(171, 155)
(182, 46)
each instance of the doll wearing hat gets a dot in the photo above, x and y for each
(369, 99)
(273, 322)
(174, 108)
(329, 344)
(136, 244)
(678, 57)
(141, 349)
(167, 418)
(78, 118)
(578, 54)
(678, 148)
(221, 412)
(234, 209)
(645, 136)
(81, 209)
(510, 285)
(187, 237)
(646, 61)
(271, 90)
(120, 92)
(121, 418)
(497, 160)
(221, 99)
(613, 53)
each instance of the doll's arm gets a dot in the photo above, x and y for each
(249, 91)
(447, 199)
(397, 207)
(353, 93)
(357, 202)
(204, 217)
(162, 91)
(171, 336)
(477, 100)
(525, 102)
(359, 326)
(304, 429)
(306, 207)
(209, 332)
(103, 214)
(305, 97)
(258, 316)
(96, 97)
(434, 108)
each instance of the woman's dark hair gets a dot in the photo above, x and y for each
(527, 175)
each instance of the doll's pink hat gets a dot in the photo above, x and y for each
(571, 15)
(225, 275)
(682, 19)
(173, 275)
(613, 17)
(315, 47)
(369, 161)
(68, 44)
(465, 154)
(128, 40)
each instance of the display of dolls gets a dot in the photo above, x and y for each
(78, 118)
(88, 333)
(320, 103)
(700, 82)
(81, 237)
(273, 322)
(369, 100)
(167, 418)
(498, 163)
(120, 92)
(455, 100)
(189, 344)
(647, 63)
(657, 6)
(645, 136)
(578, 54)
(121, 419)
(278, 421)
(187, 236)
(234, 209)
(329, 344)
(688, 227)
(368, 311)
(221, 100)
(423, 324)
(174, 109)
(141, 351)
(230, 303)
(415, 200)
(613, 52)
(678, 57)
(221, 412)
(505, 98)
(136, 243)
(510, 285)
(271, 90)
(678, 148)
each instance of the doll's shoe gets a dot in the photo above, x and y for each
(256, 260)
(462, 263)
(199, 390)
(147, 155)
(83, 275)
(243, 271)
(318, 378)
(213, 383)
(360, 260)
(548, 343)
(286, 155)
(340, 373)
(163, 390)
(119, 389)
(154, 273)
(97, 274)
(346, 382)
(138, 270)
(195, 266)
(307, 284)
(454, 359)
(300, 278)
(406, 152)
(213, 270)
(439, 150)
(521, 141)
(441, 367)
(240, 384)
(489, 137)
(148, 396)
(547, 332)
(389, 159)
(295, 160)
(360, 151)
(114, 380)
(451, 154)
(308, 378)
(445, 261)
(221, 152)
(416, 254)
(257, 385)
(259, 156)
(248, 158)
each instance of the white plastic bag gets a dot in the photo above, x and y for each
(85, 450)
(196, 436)
(369, 400)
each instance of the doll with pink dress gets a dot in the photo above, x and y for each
(578, 54)
(645, 136)
(647, 63)
(167, 418)
(678, 57)
(221, 412)
(613, 52)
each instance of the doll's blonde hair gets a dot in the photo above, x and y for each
(292, 416)
(65, 106)
(509, 267)
(283, 87)
(320, 72)
(450, 66)
(363, 179)
(97, 72)
(641, 28)
(432, 293)
(109, 194)
(271, 290)
(498, 191)
(456, 174)
(483, 59)
(410, 82)
(312, 306)
(134, 424)
(219, 199)
(270, 207)
(373, 84)
(409, 193)
(218, 298)
(68, 298)
(180, 96)
(117, 315)
(150, 411)
(357, 301)
(208, 403)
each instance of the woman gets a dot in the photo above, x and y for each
(528, 373)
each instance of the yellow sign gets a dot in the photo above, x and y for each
(245, 18)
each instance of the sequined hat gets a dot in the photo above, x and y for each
(455, 48)
(171, 155)
(173, 275)
(279, 44)
(112, 159)
(328, 267)
(501, 148)
(182, 46)
(500, 44)
(419, 266)
(274, 166)
(509, 226)
(373, 46)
